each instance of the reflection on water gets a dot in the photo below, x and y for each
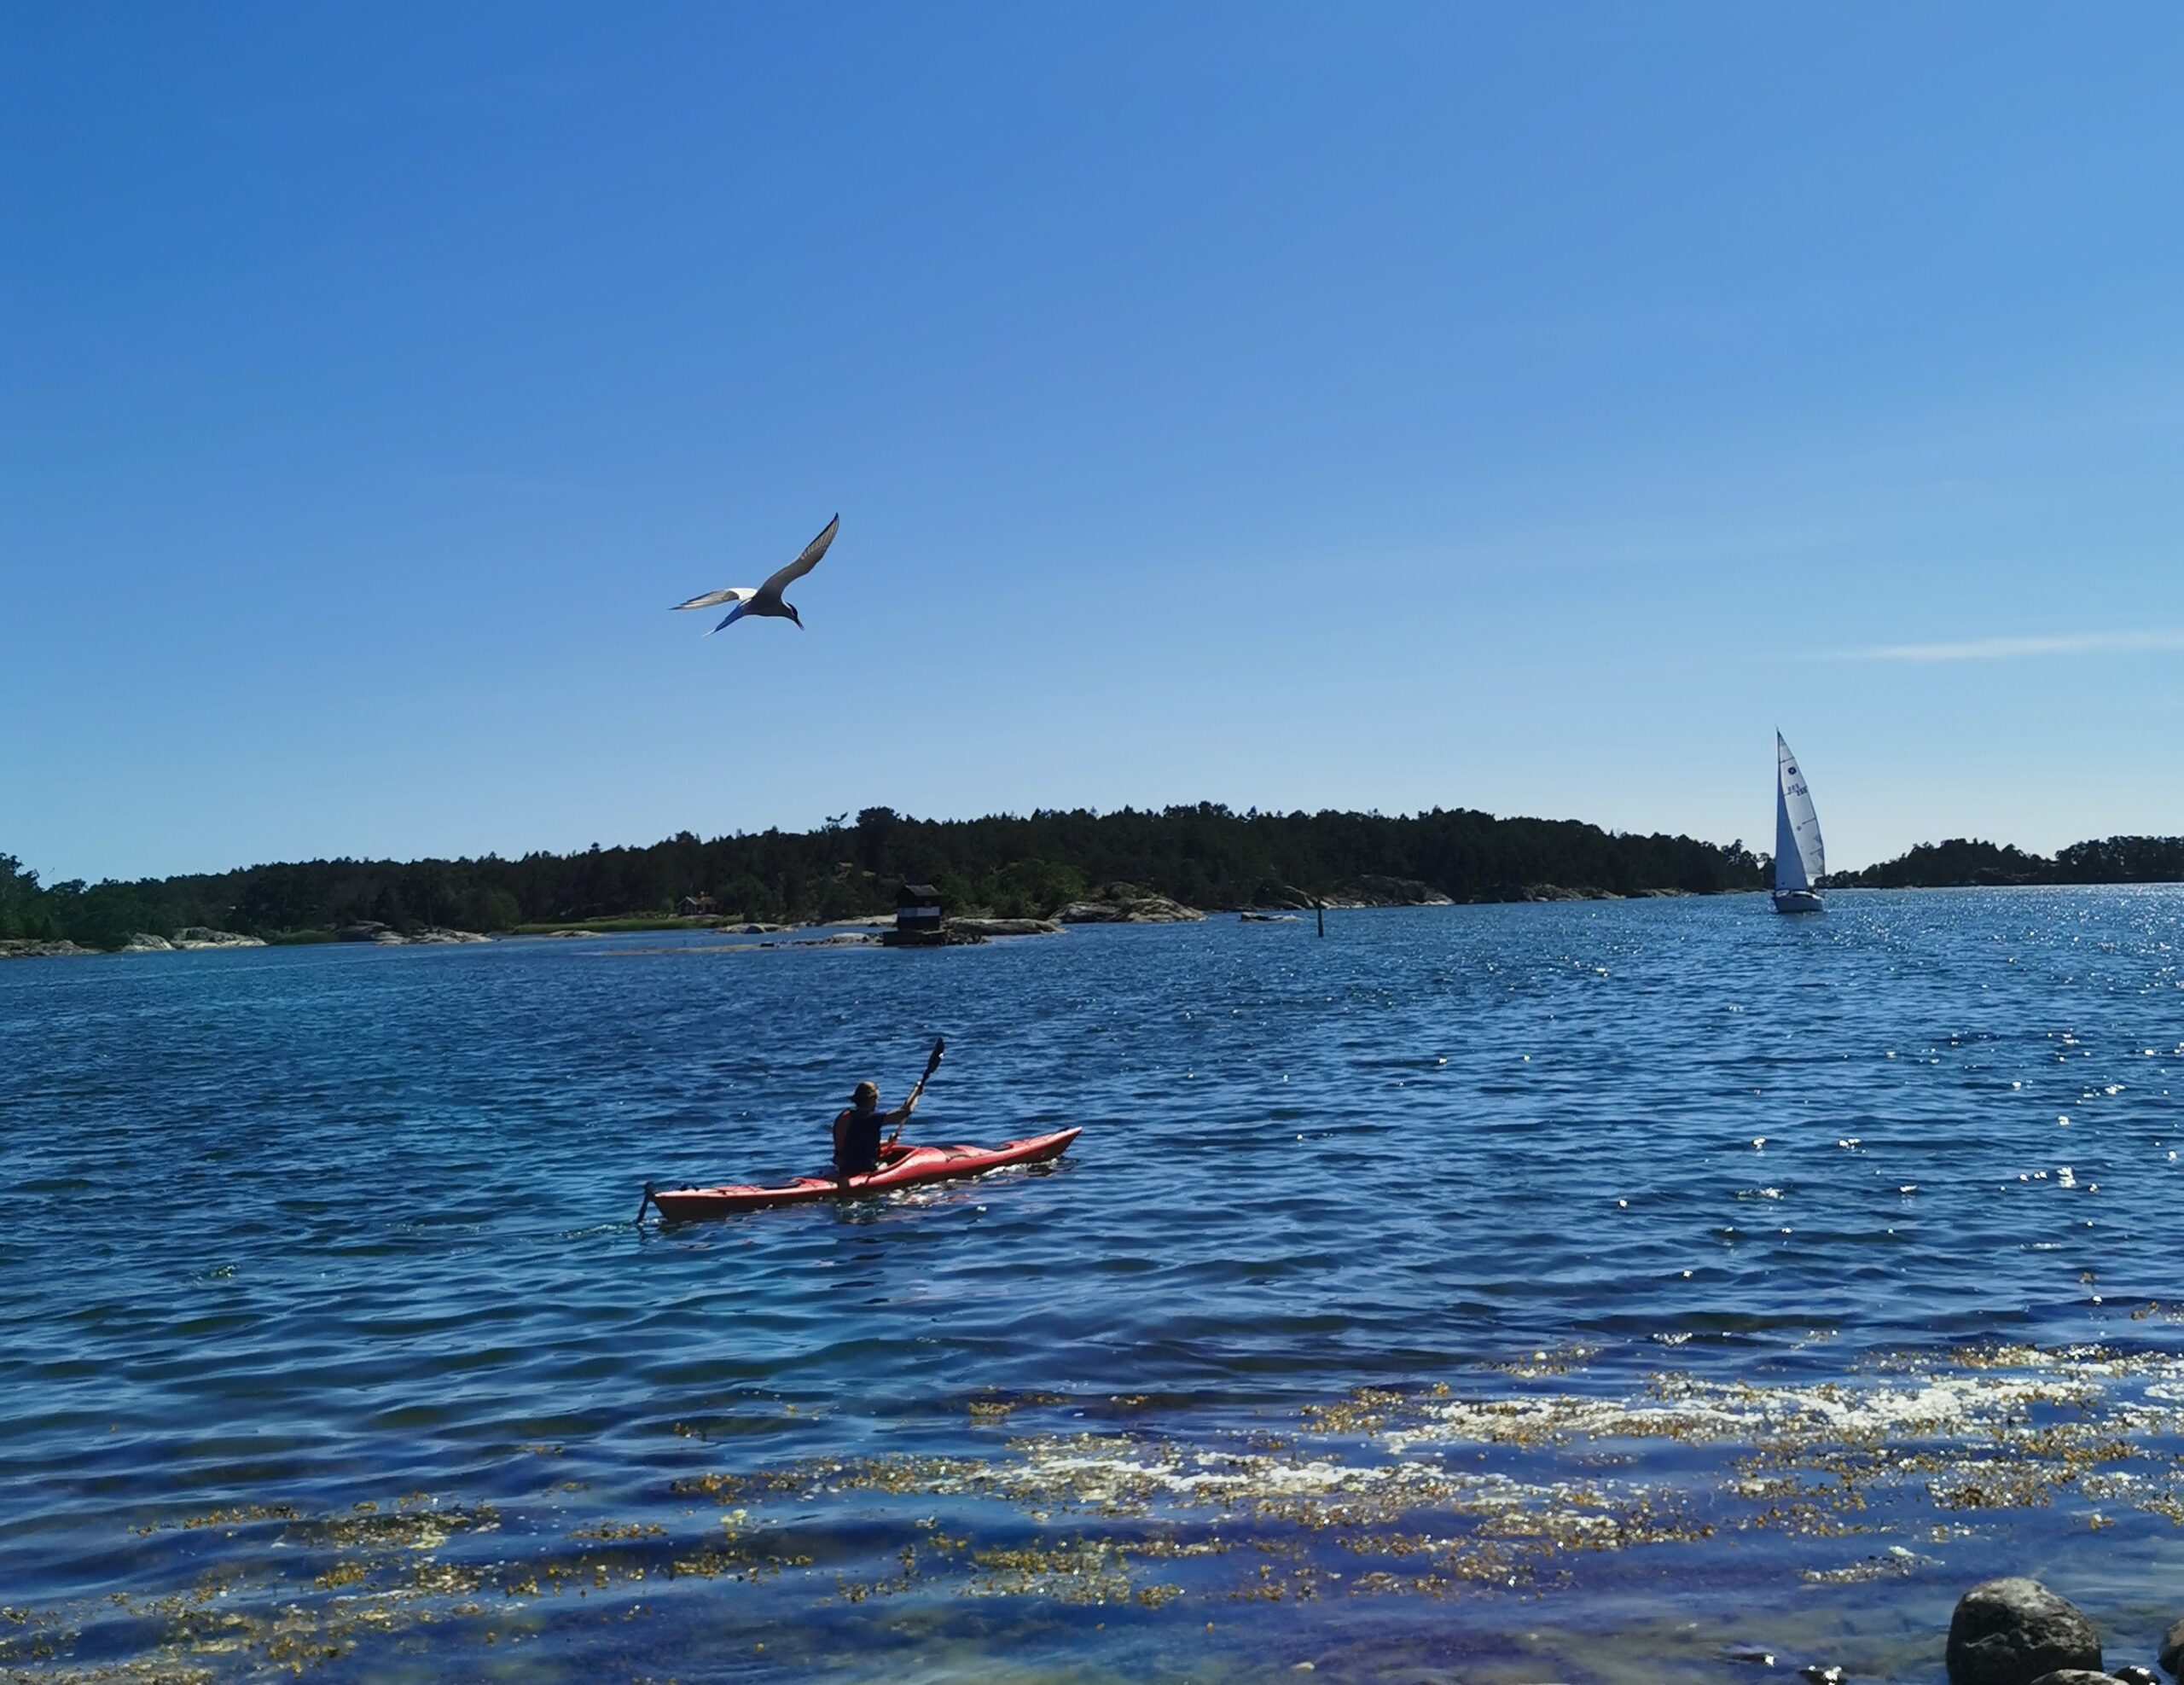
(1427, 1301)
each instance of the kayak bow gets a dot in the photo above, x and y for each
(906, 1168)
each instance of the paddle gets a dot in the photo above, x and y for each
(932, 1064)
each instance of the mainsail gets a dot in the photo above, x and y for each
(1800, 856)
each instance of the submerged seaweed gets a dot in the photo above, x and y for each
(1385, 1492)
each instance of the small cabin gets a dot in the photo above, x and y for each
(697, 906)
(917, 917)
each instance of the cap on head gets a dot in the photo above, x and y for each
(866, 1092)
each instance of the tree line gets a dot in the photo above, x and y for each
(1016, 866)
(1963, 862)
(1204, 856)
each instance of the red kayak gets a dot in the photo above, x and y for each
(900, 1167)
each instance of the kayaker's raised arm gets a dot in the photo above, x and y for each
(857, 1149)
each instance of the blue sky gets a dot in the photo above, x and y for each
(1520, 408)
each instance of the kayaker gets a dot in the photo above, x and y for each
(857, 1131)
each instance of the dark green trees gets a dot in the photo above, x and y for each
(1016, 865)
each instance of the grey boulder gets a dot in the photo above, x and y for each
(1372, 891)
(2172, 1651)
(1120, 904)
(1006, 926)
(25, 948)
(2015, 1631)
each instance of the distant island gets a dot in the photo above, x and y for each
(1961, 863)
(1005, 866)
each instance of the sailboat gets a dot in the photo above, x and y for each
(1800, 856)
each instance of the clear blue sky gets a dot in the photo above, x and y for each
(1524, 408)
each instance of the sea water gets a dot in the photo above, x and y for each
(1598, 1290)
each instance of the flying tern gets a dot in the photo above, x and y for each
(767, 598)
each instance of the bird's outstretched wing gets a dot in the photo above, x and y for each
(714, 598)
(804, 564)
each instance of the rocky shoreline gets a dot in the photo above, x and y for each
(2015, 1631)
(1126, 904)
(199, 938)
(17, 948)
(983, 928)
(192, 937)
(384, 936)
(1110, 903)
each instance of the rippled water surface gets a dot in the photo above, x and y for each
(1584, 1291)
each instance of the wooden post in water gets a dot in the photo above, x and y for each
(1321, 907)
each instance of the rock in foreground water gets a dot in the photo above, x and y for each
(2172, 1651)
(2013, 1631)
(2074, 1675)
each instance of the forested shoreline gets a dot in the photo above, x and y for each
(1204, 856)
(1016, 866)
(1963, 863)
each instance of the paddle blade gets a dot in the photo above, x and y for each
(933, 1064)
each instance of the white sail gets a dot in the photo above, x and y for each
(1800, 856)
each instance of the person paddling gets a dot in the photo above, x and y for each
(857, 1131)
(858, 1151)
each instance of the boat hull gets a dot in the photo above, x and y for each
(1797, 901)
(905, 1168)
